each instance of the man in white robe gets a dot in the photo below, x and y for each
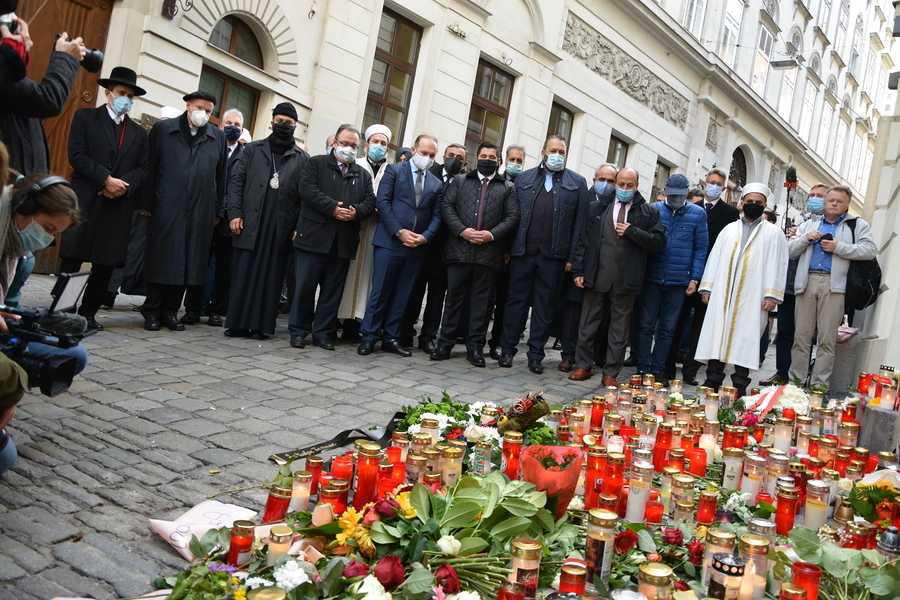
(742, 283)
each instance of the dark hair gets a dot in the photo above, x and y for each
(487, 146)
(694, 193)
(554, 136)
(4, 165)
(718, 172)
(59, 199)
(347, 127)
(454, 145)
(425, 136)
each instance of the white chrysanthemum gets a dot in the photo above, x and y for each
(371, 589)
(449, 545)
(476, 433)
(475, 409)
(465, 596)
(676, 397)
(736, 501)
(256, 582)
(290, 575)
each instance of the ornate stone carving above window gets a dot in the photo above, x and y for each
(712, 135)
(616, 66)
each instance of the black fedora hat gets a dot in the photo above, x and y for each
(123, 76)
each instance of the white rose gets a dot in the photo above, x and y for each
(449, 545)
(255, 582)
(290, 575)
(467, 596)
(371, 589)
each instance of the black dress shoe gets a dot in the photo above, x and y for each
(366, 348)
(557, 345)
(440, 353)
(427, 346)
(631, 361)
(190, 318)
(298, 341)
(495, 352)
(535, 367)
(324, 344)
(151, 323)
(171, 323)
(394, 347)
(92, 324)
(505, 360)
(236, 333)
(214, 320)
(690, 380)
(475, 357)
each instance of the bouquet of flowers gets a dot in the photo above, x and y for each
(554, 470)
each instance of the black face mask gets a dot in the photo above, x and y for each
(232, 133)
(753, 211)
(487, 167)
(452, 166)
(283, 132)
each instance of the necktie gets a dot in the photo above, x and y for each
(708, 208)
(343, 169)
(479, 218)
(420, 180)
(620, 218)
(121, 135)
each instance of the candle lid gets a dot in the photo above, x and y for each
(280, 534)
(729, 564)
(616, 458)
(733, 453)
(340, 485)
(860, 451)
(574, 570)
(655, 573)
(515, 437)
(827, 441)
(267, 593)
(399, 436)
(783, 421)
(526, 548)
(720, 537)
(804, 419)
(484, 444)
(789, 591)
(676, 453)
(585, 402)
(843, 513)
(417, 460)
(431, 453)
(684, 504)
(431, 478)
(452, 452)
(710, 495)
(752, 543)
(602, 517)
(430, 423)
(761, 526)
(277, 490)
(241, 527)
(818, 486)
(642, 467)
(788, 493)
(458, 444)
(489, 411)
(302, 476)
(577, 418)
(683, 480)
(314, 461)
(369, 449)
(757, 460)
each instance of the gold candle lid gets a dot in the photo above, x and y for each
(431, 453)
(655, 573)
(302, 476)
(602, 518)
(514, 437)
(417, 460)
(280, 534)
(368, 449)
(267, 593)
(431, 478)
(790, 591)
(720, 537)
(752, 543)
(671, 471)
(733, 453)
(526, 548)
(314, 461)
(430, 423)
(616, 457)
(241, 527)
(452, 452)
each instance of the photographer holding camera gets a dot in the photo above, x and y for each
(15, 44)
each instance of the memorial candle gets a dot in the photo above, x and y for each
(598, 406)
(300, 491)
(706, 508)
(276, 504)
(785, 510)
(278, 544)
(314, 467)
(241, 545)
(807, 575)
(367, 474)
(512, 451)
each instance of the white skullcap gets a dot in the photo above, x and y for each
(378, 128)
(169, 112)
(758, 188)
(245, 136)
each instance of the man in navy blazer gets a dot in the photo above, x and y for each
(409, 213)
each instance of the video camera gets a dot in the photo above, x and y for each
(93, 58)
(57, 326)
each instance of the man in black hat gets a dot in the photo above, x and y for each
(184, 192)
(262, 223)
(108, 152)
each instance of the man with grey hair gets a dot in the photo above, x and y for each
(335, 196)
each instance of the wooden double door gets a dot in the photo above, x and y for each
(90, 20)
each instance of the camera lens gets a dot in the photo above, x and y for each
(92, 61)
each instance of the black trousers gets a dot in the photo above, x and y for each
(473, 286)
(221, 251)
(166, 299)
(327, 273)
(433, 280)
(613, 309)
(534, 282)
(715, 376)
(500, 296)
(98, 282)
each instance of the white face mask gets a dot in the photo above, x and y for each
(345, 154)
(422, 162)
(199, 117)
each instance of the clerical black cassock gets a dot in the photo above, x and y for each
(269, 206)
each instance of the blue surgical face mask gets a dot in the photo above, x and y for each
(122, 105)
(513, 169)
(815, 205)
(601, 186)
(377, 152)
(555, 162)
(34, 237)
(624, 196)
(713, 191)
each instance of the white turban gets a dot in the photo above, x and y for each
(377, 128)
(245, 136)
(169, 112)
(758, 188)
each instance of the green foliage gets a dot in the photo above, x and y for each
(445, 406)
(540, 434)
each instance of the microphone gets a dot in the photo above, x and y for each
(790, 178)
(62, 323)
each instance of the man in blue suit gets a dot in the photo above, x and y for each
(409, 211)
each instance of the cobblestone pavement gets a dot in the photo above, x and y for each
(160, 421)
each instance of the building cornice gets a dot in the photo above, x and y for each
(803, 9)
(543, 52)
(822, 35)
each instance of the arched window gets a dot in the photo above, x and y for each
(832, 86)
(856, 48)
(738, 172)
(795, 46)
(815, 65)
(235, 37)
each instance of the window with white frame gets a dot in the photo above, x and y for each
(871, 73)
(855, 63)
(824, 18)
(694, 12)
(825, 124)
(842, 24)
(731, 31)
(809, 107)
(843, 129)
(786, 99)
(764, 45)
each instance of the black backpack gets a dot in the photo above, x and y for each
(863, 279)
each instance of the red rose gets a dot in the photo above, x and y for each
(672, 535)
(681, 586)
(789, 413)
(447, 579)
(356, 569)
(389, 571)
(695, 552)
(387, 508)
(625, 541)
(454, 434)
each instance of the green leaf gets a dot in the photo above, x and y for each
(545, 518)
(467, 482)
(492, 491)
(418, 498)
(510, 527)
(689, 570)
(645, 541)
(460, 514)
(327, 530)
(836, 560)
(196, 547)
(873, 556)
(472, 545)
(475, 494)
(380, 534)
(806, 544)
(519, 507)
(333, 575)
(419, 582)
(306, 591)
(438, 506)
(878, 581)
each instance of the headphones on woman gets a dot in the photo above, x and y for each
(26, 199)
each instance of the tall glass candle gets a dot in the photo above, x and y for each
(367, 474)
(314, 467)
(848, 433)
(598, 407)
(432, 428)
(816, 510)
(484, 451)
(452, 465)
(278, 544)
(241, 545)
(639, 491)
(400, 439)
(599, 545)
(706, 508)
(655, 581)
(662, 446)
(754, 549)
(753, 477)
(784, 430)
(276, 504)
(416, 467)
(572, 579)
(717, 540)
(300, 491)
(734, 464)
(785, 510)
(807, 575)
(612, 483)
(711, 406)
(525, 567)
(727, 576)
(512, 452)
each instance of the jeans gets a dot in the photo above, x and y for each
(393, 278)
(8, 452)
(23, 269)
(660, 307)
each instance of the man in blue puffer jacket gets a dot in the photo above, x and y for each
(672, 275)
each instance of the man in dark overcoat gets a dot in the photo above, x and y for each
(184, 192)
(108, 153)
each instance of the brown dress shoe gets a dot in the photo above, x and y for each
(580, 374)
(609, 381)
(565, 365)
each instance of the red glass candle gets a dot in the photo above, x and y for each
(367, 474)
(386, 481)
(813, 448)
(628, 432)
(241, 543)
(785, 511)
(326, 479)
(572, 579)
(676, 459)
(871, 463)
(563, 434)
(764, 496)
(342, 467)
(706, 508)
(276, 504)
(622, 501)
(598, 407)
(653, 512)
(662, 446)
(697, 466)
(332, 496)
(612, 483)
(593, 485)
(395, 457)
(314, 466)
(806, 576)
(512, 453)
(841, 461)
(511, 591)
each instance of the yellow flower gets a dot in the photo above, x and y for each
(240, 594)
(364, 542)
(700, 533)
(349, 523)
(406, 509)
(234, 580)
